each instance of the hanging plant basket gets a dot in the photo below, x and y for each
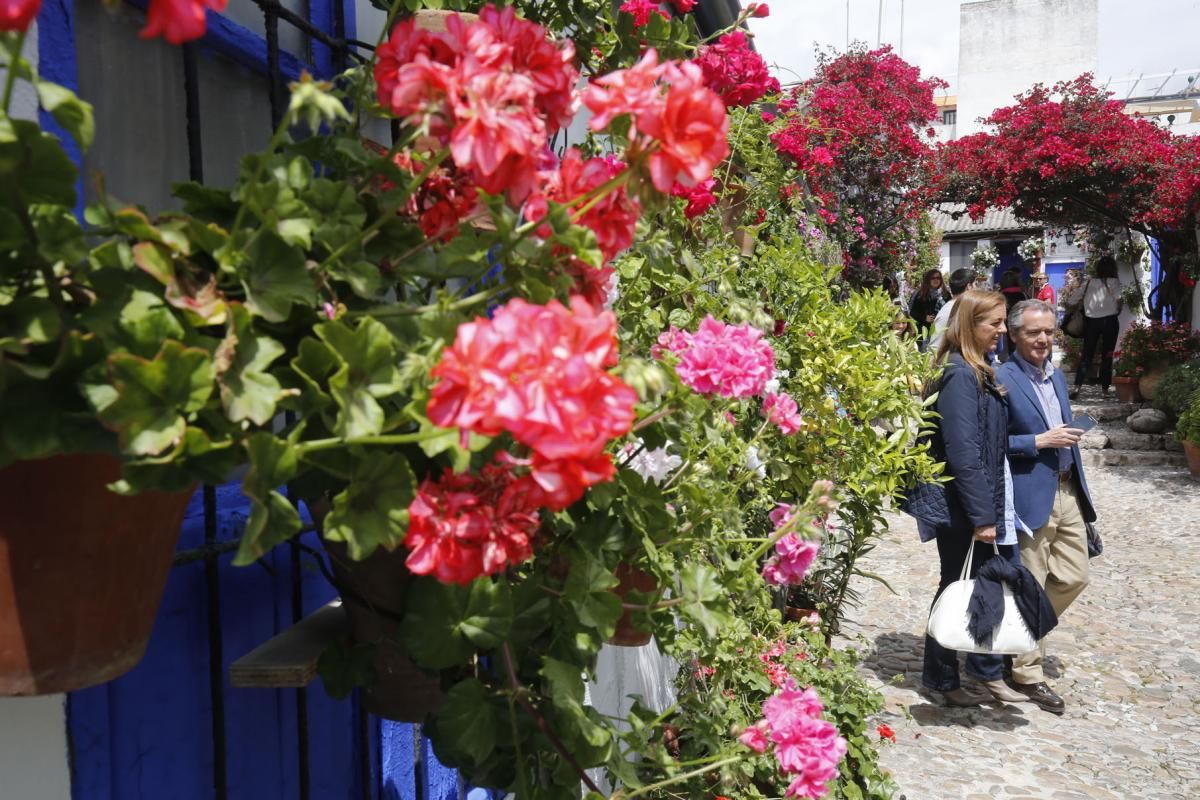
(373, 594)
(82, 571)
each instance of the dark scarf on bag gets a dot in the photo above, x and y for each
(986, 609)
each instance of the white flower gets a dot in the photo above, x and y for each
(772, 385)
(653, 465)
(754, 462)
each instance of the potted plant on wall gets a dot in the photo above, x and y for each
(1148, 349)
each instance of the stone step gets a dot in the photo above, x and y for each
(1116, 435)
(1103, 412)
(1133, 458)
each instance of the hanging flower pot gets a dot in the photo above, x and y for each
(82, 571)
(631, 579)
(434, 20)
(373, 592)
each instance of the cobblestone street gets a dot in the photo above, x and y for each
(1125, 658)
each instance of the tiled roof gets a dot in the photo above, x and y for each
(994, 220)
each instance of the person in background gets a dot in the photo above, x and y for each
(960, 281)
(1042, 289)
(928, 301)
(1050, 492)
(1101, 298)
(972, 433)
(902, 326)
(1010, 287)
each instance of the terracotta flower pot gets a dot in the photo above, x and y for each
(1127, 390)
(1193, 458)
(434, 20)
(373, 594)
(82, 572)
(631, 579)
(1148, 382)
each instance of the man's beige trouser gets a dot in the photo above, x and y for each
(1057, 556)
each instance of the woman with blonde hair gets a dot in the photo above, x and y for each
(972, 439)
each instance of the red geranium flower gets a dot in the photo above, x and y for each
(464, 526)
(178, 21)
(15, 15)
(641, 11)
(885, 732)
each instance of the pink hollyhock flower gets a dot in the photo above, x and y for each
(612, 218)
(735, 71)
(781, 409)
(700, 198)
(16, 15)
(464, 526)
(539, 373)
(792, 559)
(780, 514)
(641, 11)
(177, 21)
(730, 360)
(755, 737)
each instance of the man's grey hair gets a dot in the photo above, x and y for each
(1016, 317)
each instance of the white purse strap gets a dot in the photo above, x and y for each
(966, 570)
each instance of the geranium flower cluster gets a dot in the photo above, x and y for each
(612, 216)
(643, 10)
(729, 360)
(539, 373)
(793, 556)
(780, 408)
(700, 197)
(446, 196)
(678, 124)
(177, 21)
(807, 748)
(735, 71)
(464, 526)
(491, 90)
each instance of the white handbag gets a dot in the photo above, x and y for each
(948, 619)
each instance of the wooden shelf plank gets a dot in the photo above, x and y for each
(289, 659)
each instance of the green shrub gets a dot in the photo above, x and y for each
(1188, 427)
(1177, 387)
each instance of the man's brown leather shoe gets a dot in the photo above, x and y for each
(999, 690)
(1043, 695)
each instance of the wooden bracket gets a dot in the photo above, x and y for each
(289, 659)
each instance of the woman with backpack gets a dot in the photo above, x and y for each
(1101, 298)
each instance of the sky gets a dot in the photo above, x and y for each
(1135, 36)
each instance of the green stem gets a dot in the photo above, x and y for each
(362, 81)
(394, 439)
(259, 168)
(516, 734)
(687, 776)
(11, 78)
(409, 311)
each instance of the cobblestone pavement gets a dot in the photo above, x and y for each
(1125, 658)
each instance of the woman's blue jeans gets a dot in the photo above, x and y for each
(941, 664)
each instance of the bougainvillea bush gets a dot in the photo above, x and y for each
(859, 132)
(1070, 155)
(525, 371)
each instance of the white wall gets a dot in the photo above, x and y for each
(1006, 46)
(33, 748)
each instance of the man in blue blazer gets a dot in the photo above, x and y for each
(1049, 489)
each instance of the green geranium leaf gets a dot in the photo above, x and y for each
(59, 236)
(36, 164)
(373, 510)
(154, 396)
(430, 628)
(275, 278)
(68, 110)
(470, 720)
(587, 590)
(706, 601)
(248, 390)
(368, 356)
(345, 666)
(26, 321)
(273, 519)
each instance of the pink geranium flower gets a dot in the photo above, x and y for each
(781, 409)
(641, 11)
(755, 737)
(177, 21)
(16, 15)
(730, 360)
(807, 748)
(793, 557)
